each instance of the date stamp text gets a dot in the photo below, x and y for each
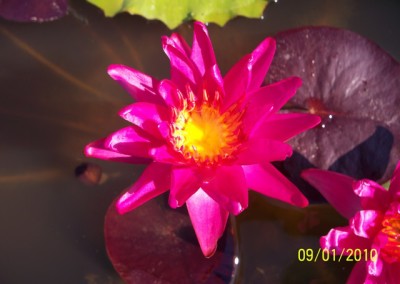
(311, 255)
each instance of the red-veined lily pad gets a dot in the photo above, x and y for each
(157, 244)
(354, 86)
(33, 10)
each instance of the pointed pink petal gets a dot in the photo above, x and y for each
(372, 195)
(97, 150)
(358, 274)
(140, 86)
(235, 83)
(164, 154)
(228, 188)
(375, 267)
(261, 104)
(267, 180)
(130, 140)
(259, 63)
(212, 81)
(179, 43)
(183, 69)
(394, 187)
(284, 126)
(208, 219)
(343, 239)
(202, 49)
(366, 223)
(263, 150)
(247, 75)
(336, 188)
(185, 182)
(275, 95)
(145, 115)
(155, 180)
(169, 92)
(255, 117)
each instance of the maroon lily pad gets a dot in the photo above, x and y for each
(33, 10)
(157, 244)
(354, 86)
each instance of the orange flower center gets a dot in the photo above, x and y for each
(391, 227)
(201, 133)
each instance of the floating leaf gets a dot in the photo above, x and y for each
(157, 244)
(354, 86)
(174, 12)
(33, 10)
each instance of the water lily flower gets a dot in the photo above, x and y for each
(374, 223)
(208, 138)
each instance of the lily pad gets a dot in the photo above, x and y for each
(174, 12)
(157, 244)
(354, 86)
(33, 10)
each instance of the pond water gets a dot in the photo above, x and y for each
(56, 97)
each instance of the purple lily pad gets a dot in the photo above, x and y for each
(157, 244)
(33, 10)
(354, 86)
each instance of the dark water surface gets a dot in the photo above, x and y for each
(56, 97)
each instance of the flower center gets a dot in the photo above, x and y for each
(391, 227)
(201, 133)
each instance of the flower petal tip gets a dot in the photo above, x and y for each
(123, 205)
(114, 69)
(209, 251)
(173, 202)
(301, 202)
(88, 150)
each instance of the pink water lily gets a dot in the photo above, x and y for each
(208, 138)
(374, 223)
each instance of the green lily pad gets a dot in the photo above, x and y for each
(174, 12)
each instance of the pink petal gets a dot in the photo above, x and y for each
(366, 223)
(394, 187)
(254, 118)
(164, 154)
(212, 82)
(275, 95)
(263, 150)
(375, 268)
(247, 75)
(372, 195)
(267, 180)
(145, 115)
(392, 272)
(235, 83)
(169, 92)
(336, 188)
(284, 126)
(202, 49)
(130, 140)
(183, 69)
(185, 182)
(140, 86)
(179, 43)
(358, 274)
(259, 63)
(208, 219)
(228, 187)
(97, 150)
(155, 180)
(344, 241)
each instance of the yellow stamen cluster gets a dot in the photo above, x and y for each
(391, 227)
(201, 133)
